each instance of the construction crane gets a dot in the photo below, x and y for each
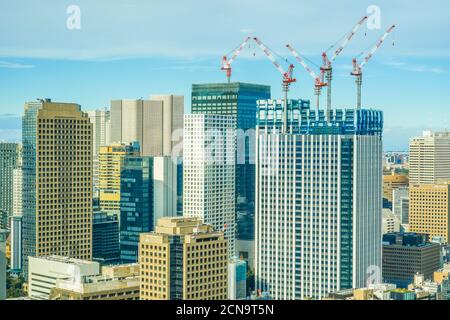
(226, 63)
(357, 69)
(327, 67)
(318, 81)
(287, 77)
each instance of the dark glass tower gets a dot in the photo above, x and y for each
(238, 99)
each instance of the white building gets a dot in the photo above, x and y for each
(237, 279)
(154, 123)
(209, 172)
(318, 199)
(429, 158)
(3, 237)
(43, 273)
(391, 222)
(400, 204)
(164, 187)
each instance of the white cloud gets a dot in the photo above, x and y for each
(14, 65)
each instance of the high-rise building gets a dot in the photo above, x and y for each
(165, 187)
(9, 159)
(110, 161)
(237, 99)
(44, 272)
(429, 158)
(16, 242)
(209, 172)
(57, 181)
(151, 122)
(390, 183)
(400, 204)
(3, 237)
(318, 199)
(100, 120)
(429, 209)
(17, 191)
(237, 279)
(405, 254)
(136, 204)
(105, 238)
(184, 259)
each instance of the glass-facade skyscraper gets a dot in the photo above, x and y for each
(237, 99)
(136, 204)
(9, 160)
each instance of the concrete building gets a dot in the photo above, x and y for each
(209, 172)
(9, 160)
(165, 187)
(405, 254)
(400, 204)
(57, 181)
(429, 158)
(105, 238)
(17, 191)
(390, 183)
(429, 210)
(390, 222)
(110, 161)
(237, 279)
(150, 122)
(100, 120)
(136, 204)
(183, 259)
(3, 237)
(44, 272)
(119, 282)
(318, 199)
(16, 242)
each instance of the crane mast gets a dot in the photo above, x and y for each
(327, 67)
(318, 81)
(226, 63)
(357, 68)
(287, 77)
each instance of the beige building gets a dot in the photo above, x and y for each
(110, 159)
(391, 182)
(429, 210)
(183, 259)
(119, 282)
(57, 181)
(429, 158)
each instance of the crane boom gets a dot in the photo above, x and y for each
(377, 46)
(348, 38)
(226, 63)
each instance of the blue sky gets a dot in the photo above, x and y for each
(132, 49)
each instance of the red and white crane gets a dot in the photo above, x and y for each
(226, 63)
(327, 67)
(357, 68)
(287, 76)
(318, 81)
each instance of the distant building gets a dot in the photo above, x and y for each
(400, 204)
(183, 259)
(390, 183)
(3, 237)
(390, 222)
(9, 159)
(105, 238)
(44, 272)
(16, 242)
(165, 187)
(405, 254)
(237, 279)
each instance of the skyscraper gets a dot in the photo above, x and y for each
(165, 187)
(136, 204)
(209, 172)
(150, 122)
(429, 158)
(57, 181)
(9, 158)
(318, 199)
(3, 237)
(100, 120)
(16, 242)
(183, 259)
(105, 238)
(237, 99)
(110, 161)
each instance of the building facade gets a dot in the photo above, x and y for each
(105, 238)
(3, 237)
(390, 183)
(57, 181)
(183, 259)
(400, 204)
(9, 160)
(318, 199)
(209, 172)
(165, 187)
(16, 243)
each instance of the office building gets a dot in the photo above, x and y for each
(400, 204)
(237, 99)
(119, 282)
(57, 181)
(153, 123)
(209, 172)
(390, 222)
(16, 242)
(44, 272)
(9, 159)
(165, 187)
(110, 161)
(3, 237)
(100, 120)
(429, 158)
(318, 199)
(390, 183)
(237, 279)
(183, 259)
(405, 254)
(429, 209)
(136, 204)
(105, 238)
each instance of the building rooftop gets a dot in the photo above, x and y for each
(67, 260)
